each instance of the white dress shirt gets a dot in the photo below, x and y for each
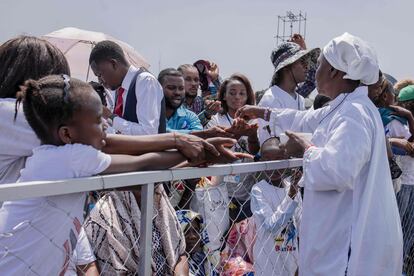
(349, 204)
(275, 97)
(149, 97)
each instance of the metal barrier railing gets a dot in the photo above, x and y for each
(16, 191)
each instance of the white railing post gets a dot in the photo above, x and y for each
(145, 242)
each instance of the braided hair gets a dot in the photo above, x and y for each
(28, 57)
(50, 103)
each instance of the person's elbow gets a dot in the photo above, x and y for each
(328, 178)
(332, 183)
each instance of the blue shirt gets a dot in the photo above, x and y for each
(184, 121)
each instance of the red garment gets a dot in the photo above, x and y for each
(118, 110)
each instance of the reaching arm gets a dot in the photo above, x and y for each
(294, 120)
(285, 119)
(135, 145)
(308, 85)
(148, 161)
(192, 147)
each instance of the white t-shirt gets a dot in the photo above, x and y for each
(275, 97)
(38, 235)
(276, 217)
(239, 185)
(17, 141)
(396, 129)
(82, 255)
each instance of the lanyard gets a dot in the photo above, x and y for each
(297, 97)
(228, 119)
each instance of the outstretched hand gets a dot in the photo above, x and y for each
(212, 107)
(240, 128)
(249, 112)
(226, 155)
(194, 148)
(223, 146)
(212, 132)
(296, 145)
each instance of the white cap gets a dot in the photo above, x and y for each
(354, 56)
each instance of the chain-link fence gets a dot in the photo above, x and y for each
(405, 202)
(238, 219)
(241, 221)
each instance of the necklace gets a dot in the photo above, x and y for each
(336, 107)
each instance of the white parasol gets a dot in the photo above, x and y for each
(76, 45)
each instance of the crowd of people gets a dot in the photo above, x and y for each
(347, 211)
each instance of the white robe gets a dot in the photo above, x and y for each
(275, 97)
(349, 203)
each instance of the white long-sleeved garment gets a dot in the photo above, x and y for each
(349, 206)
(275, 97)
(149, 97)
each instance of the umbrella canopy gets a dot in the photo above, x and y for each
(76, 45)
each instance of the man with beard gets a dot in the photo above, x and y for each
(203, 108)
(179, 118)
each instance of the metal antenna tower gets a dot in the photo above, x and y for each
(289, 24)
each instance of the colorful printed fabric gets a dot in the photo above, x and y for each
(290, 52)
(306, 87)
(237, 267)
(113, 231)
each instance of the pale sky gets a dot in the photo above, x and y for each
(236, 34)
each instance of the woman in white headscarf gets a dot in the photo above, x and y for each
(350, 222)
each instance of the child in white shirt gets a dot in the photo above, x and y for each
(38, 236)
(276, 206)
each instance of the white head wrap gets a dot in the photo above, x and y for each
(352, 55)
